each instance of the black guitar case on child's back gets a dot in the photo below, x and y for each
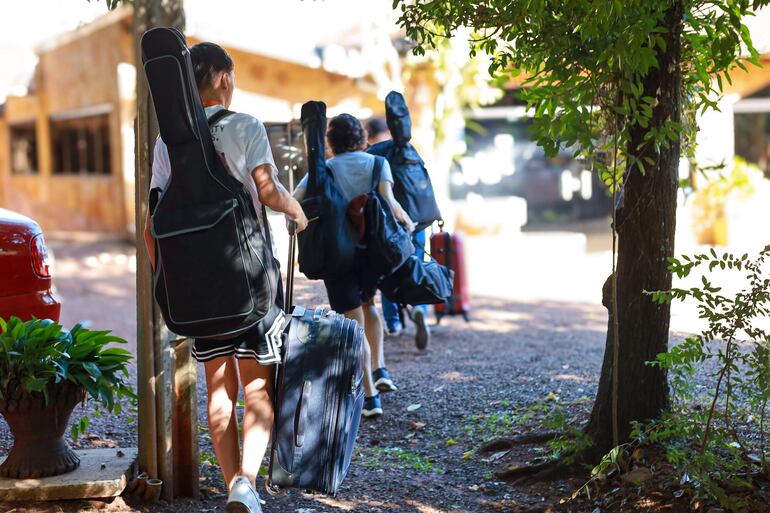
(215, 274)
(327, 247)
(412, 186)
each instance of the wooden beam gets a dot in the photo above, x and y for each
(155, 358)
(746, 83)
(296, 83)
(186, 467)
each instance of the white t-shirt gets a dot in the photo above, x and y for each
(352, 172)
(239, 138)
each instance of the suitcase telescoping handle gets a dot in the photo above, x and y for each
(289, 296)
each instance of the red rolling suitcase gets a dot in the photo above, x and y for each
(447, 249)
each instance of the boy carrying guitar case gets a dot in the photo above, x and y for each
(411, 183)
(319, 389)
(216, 276)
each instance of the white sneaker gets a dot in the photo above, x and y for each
(243, 497)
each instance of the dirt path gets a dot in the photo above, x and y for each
(495, 374)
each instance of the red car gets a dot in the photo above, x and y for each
(25, 270)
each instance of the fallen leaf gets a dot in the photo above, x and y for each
(414, 407)
(496, 456)
(468, 455)
(550, 397)
(451, 442)
(636, 476)
(473, 488)
(416, 425)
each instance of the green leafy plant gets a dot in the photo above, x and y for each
(728, 433)
(715, 438)
(37, 355)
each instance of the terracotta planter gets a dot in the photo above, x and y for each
(39, 448)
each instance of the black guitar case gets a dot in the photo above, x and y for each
(215, 274)
(327, 247)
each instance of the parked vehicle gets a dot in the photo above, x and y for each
(26, 288)
(502, 160)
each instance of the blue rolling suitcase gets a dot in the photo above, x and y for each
(319, 396)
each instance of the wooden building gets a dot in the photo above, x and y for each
(67, 147)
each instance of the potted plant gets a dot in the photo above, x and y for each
(44, 372)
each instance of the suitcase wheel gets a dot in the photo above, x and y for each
(273, 489)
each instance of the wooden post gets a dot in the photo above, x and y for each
(155, 354)
(185, 441)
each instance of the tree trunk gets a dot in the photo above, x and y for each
(646, 220)
(155, 362)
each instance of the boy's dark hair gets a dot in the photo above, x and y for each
(345, 134)
(376, 126)
(208, 59)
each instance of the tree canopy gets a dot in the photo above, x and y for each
(585, 61)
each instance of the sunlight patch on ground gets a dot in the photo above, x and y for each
(570, 377)
(502, 315)
(108, 290)
(423, 508)
(347, 505)
(457, 377)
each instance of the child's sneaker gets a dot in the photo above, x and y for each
(243, 497)
(422, 337)
(372, 407)
(395, 330)
(382, 381)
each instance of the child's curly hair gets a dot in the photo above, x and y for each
(345, 134)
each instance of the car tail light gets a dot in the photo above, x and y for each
(40, 261)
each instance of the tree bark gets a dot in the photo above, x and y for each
(646, 221)
(155, 361)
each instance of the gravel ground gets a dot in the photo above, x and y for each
(492, 375)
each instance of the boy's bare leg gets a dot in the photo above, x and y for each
(357, 314)
(375, 333)
(257, 383)
(222, 385)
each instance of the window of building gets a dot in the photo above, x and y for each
(752, 129)
(81, 146)
(752, 138)
(288, 148)
(23, 149)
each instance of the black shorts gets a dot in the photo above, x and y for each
(350, 290)
(262, 342)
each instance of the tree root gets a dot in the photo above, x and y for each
(506, 443)
(529, 474)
